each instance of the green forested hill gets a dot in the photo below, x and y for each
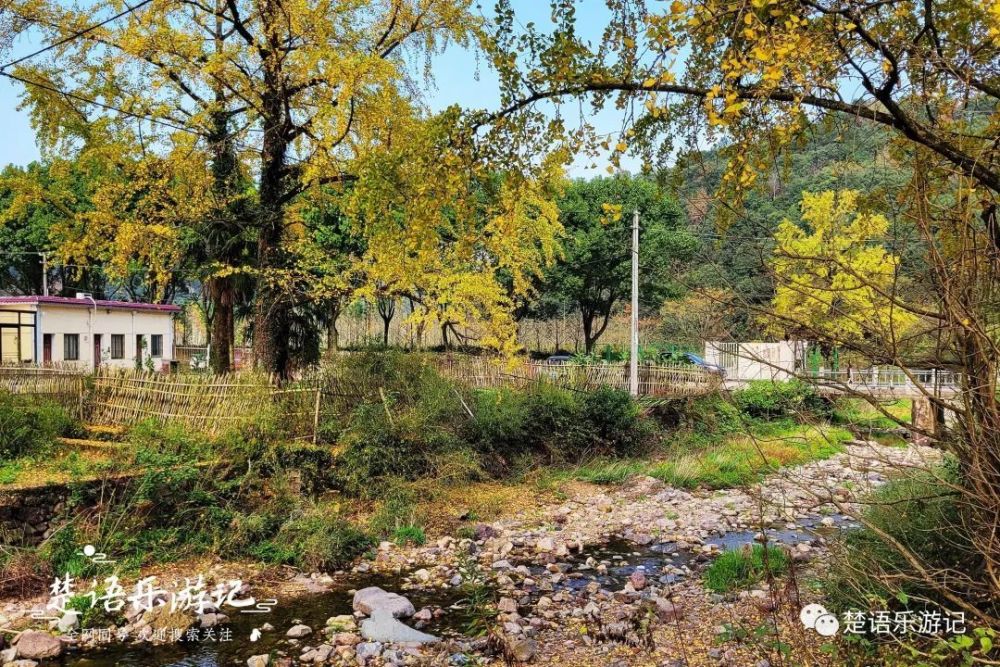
(850, 155)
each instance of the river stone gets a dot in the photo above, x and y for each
(367, 650)
(211, 620)
(668, 611)
(21, 663)
(298, 631)
(373, 598)
(262, 660)
(383, 627)
(35, 645)
(524, 650)
(69, 621)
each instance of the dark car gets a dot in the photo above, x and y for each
(701, 363)
(694, 360)
(559, 359)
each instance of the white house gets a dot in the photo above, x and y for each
(757, 361)
(85, 331)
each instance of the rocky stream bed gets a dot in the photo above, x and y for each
(609, 576)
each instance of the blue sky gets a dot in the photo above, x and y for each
(459, 79)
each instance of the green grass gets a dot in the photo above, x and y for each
(740, 460)
(603, 471)
(734, 460)
(861, 415)
(10, 471)
(740, 568)
(409, 535)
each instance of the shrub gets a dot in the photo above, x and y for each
(614, 424)
(764, 399)
(557, 424)
(739, 568)
(395, 509)
(921, 512)
(29, 426)
(321, 539)
(713, 415)
(168, 438)
(378, 446)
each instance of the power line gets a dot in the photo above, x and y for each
(75, 35)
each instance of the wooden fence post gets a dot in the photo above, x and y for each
(319, 393)
(80, 399)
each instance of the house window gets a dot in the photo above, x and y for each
(117, 346)
(71, 347)
(156, 345)
(17, 337)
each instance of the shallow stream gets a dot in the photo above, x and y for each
(664, 562)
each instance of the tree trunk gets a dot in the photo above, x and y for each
(225, 174)
(588, 327)
(386, 307)
(272, 308)
(332, 335)
(221, 292)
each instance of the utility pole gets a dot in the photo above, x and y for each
(633, 357)
(45, 274)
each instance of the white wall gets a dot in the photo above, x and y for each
(59, 320)
(753, 361)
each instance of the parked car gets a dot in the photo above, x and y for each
(559, 359)
(701, 363)
(694, 360)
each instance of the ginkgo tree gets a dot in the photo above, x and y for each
(460, 240)
(296, 91)
(834, 278)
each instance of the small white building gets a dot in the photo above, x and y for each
(86, 332)
(757, 361)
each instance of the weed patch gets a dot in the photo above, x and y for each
(741, 460)
(740, 568)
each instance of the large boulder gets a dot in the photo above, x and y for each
(383, 627)
(367, 600)
(35, 645)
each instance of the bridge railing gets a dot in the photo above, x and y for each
(892, 377)
(661, 381)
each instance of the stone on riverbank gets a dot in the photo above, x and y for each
(383, 627)
(367, 600)
(35, 645)
(262, 660)
(298, 631)
(524, 650)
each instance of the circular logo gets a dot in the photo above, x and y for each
(810, 613)
(827, 625)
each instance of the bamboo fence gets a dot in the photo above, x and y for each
(654, 381)
(212, 404)
(62, 385)
(205, 402)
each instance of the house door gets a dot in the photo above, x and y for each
(97, 350)
(47, 348)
